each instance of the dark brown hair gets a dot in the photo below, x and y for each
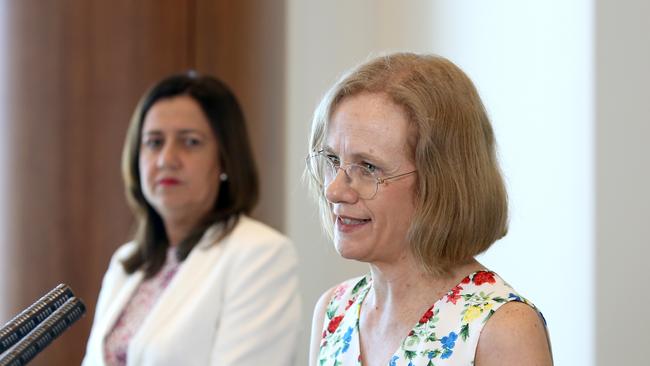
(237, 195)
(461, 200)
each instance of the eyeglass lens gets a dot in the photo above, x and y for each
(359, 178)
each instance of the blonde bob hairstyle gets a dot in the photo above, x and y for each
(461, 205)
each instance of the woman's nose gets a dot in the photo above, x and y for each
(339, 190)
(168, 157)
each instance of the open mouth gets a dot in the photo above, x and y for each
(351, 221)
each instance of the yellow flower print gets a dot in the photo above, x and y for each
(472, 313)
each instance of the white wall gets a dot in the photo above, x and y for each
(324, 39)
(566, 85)
(623, 182)
(532, 63)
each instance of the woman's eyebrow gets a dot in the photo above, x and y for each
(366, 157)
(184, 131)
(358, 156)
(190, 131)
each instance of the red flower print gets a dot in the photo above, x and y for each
(465, 280)
(483, 277)
(334, 323)
(350, 302)
(425, 318)
(452, 298)
(453, 295)
(412, 332)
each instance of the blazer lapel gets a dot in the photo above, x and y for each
(196, 267)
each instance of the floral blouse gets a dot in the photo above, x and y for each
(446, 334)
(116, 343)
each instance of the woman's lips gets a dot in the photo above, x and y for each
(167, 182)
(348, 224)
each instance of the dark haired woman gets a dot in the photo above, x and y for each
(201, 283)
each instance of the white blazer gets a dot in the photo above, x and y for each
(230, 303)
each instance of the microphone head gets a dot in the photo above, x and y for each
(44, 333)
(23, 323)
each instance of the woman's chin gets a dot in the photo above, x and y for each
(348, 251)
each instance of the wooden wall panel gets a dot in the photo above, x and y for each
(76, 71)
(242, 42)
(77, 68)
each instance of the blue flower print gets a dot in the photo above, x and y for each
(448, 344)
(347, 337)
(440, 337)
(449, 341)
(393, 361)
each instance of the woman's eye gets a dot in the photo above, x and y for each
(191, 142)
(153, 143)
(370, 168)
(333, 159)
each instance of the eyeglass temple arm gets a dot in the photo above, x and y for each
(382, 180)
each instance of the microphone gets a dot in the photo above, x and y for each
(39, 338)
(28, 319)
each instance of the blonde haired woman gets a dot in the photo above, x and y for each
(403, 165)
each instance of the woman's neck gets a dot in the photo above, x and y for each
(177, 230)
(406, 284)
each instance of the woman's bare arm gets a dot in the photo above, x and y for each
(514, 335)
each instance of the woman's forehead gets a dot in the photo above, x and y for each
(368, 124)
(176, 113)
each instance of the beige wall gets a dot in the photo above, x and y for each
(566, 85)
(622, 61)
(324, 38)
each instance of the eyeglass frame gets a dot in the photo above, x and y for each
(378, 180)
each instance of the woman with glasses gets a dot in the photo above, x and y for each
(404, 169)
(201, 283)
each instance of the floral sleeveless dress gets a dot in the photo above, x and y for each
(446, 334)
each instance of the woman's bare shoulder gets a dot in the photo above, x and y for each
(514, 335)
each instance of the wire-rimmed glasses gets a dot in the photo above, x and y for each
(324, 167)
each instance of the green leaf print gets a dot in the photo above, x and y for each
(359, 285)
(410, 354)
(488, 316)
(464, 332)
(331, 311)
